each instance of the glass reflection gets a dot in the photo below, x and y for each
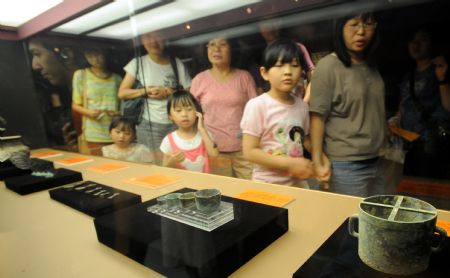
(54, 60)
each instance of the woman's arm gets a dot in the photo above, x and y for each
(321, 162)
(86, 112)
(297, 166)
(126, 90)
(441, 75)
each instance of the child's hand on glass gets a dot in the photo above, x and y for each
(301, 167)
(175, 158)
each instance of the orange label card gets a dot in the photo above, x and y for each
(444, 225)
(264, 197)
(74, 160)
(46, 154)
(107, 167)
(153, 181)
(408, 135)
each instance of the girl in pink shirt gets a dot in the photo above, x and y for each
(189, 146)
(275, 125)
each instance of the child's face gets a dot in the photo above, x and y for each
(121, 137)
(283, 77)
(97, 60)
(184, 116)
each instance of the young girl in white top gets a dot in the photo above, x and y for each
(275, 125)
(123, 134)
(190, 145)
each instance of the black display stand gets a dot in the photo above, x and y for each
(338, 257)
(28, 183)
(175, 249)
(8, 170)
(93, 198)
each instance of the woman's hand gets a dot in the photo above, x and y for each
(441, 67)
(323, 170)
(157, 92)
(93, 113)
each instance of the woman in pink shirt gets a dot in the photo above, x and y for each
(223, 91)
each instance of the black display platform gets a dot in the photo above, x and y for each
(175, 249)
(93, 198)
(338, 257)
(27, 184)
(7, 170)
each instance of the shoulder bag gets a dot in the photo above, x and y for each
(133, 108)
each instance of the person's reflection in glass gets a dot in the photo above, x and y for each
(56, 60)
(123, 134)
(157, 78)
(222, 92)
(425, 108)
(95, 97)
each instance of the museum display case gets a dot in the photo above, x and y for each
(103, 217)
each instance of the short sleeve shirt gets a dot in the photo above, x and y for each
(223, 103)
(351, 100)
(153, 74)
(281, 129)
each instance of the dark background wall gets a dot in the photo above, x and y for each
(18, 98)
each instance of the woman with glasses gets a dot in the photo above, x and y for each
(222, 92)
(347, 110)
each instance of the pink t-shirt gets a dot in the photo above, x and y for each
(279, 127)
(223, 103)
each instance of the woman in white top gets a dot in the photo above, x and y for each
(156, 75)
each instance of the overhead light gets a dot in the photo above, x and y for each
(104, 15)
(16, 12)
(174, 13)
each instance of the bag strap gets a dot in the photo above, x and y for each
(85, 104)
(173, 63)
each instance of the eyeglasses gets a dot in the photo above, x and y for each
(367, 26)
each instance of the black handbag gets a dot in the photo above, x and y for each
(133, 108)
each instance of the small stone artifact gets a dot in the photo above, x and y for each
(207, 200)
